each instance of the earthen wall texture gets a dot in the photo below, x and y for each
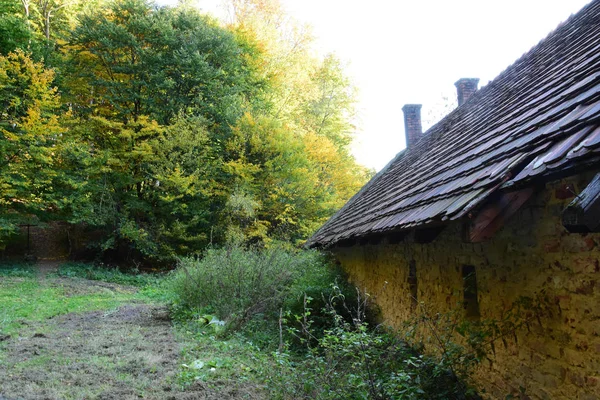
(557, 357)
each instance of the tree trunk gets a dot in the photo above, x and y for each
(26, 8)
(47, 27)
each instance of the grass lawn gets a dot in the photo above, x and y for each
(67, 337)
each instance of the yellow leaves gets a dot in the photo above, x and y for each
(184, 184)
(8, 135)
(25, 86)
(320, 148)
(242, 170)
(285, 55)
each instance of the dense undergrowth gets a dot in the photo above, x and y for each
(289, 319)
(281, 319)
(16, 269)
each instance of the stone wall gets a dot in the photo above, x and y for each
(557, 357)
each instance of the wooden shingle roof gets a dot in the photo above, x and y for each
(538, 117)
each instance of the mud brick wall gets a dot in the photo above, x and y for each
(559, 359)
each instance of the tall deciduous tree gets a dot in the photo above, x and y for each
(55, 16)
(174, 131)
(29, 130)
(311, 173)
(155, 93)
(144, 61)
(15, 26)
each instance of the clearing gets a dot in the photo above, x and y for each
(73, 338)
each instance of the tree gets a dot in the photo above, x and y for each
(150, 188)
(174, 132)
(330, 111)
(157, 62)
(29, 131)
(286, 55)
(59, 13)
(155, 93)
(15, 26)
(37, 25)
(284, 185)
(308, 168)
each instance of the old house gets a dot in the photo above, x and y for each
(496, 203)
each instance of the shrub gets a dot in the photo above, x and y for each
(322, 289)
(327, 344)
(353, 360)
(236, 283)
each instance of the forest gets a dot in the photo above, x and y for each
(162, 130)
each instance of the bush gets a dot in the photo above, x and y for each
(352, 360)
(322, 291)
(237, 284)
(300, 304)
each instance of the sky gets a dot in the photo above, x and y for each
(406, 51)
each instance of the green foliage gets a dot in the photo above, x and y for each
(106, 274)
(29, 131)
(38, 26)
(15, 32)
(15, 269)
(290, 183)
(352, 360)
(312, 300)
(236, 284)
(298, 147)
(268, 169)
(171, 132)
(137, 60)
(329, 113)
(154, 91)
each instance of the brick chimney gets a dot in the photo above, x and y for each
(465, 87)
(412, 123)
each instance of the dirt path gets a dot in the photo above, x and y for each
(46, 267)
(127, 353)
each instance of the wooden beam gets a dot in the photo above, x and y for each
(583, 213)
(494, 214)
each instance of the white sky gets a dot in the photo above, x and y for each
(412, 51)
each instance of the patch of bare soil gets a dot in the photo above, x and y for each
(80, 286)
(47, 266)
(129, 353)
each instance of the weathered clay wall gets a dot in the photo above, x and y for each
(559, 359)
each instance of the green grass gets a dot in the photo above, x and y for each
(105, 274)
(26, 299)
(215, 360)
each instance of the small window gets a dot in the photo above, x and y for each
(412, 284)
(470, 301)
